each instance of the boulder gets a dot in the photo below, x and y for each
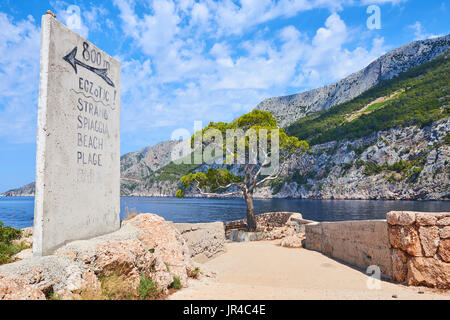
(402, 218)
(426, 219)
(244, 236)
(128, 258)
(205, 240)
(145, 245)
(429, 237)
(405, 238)
(57, 274)
(399, 267)
(22, 255)
(444, 250)
(443, 221)
(430, 272)
(166, 243)
(26, 238)
(444, 233)
(293, 241)
(18, 289)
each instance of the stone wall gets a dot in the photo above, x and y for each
(358, 243)
(409, 247)
(420, 243)
(268, 219)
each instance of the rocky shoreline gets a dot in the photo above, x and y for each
(151, 258)
(145, 248)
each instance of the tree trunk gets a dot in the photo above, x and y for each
(251, 221)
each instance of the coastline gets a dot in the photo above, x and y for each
(257, 198)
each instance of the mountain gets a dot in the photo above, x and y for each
(288, 109)
(25, 191)
(374, 135)
(418, 96)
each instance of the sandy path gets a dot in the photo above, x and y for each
(263, 270)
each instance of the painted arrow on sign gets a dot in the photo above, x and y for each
(102, 73)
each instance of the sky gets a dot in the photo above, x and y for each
(204, 60)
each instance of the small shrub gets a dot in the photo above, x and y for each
(7, 249)
(194, 273)
(8, 234)
(167, 266)
(447, 139)
(176, 284)
(147, 288)
(372, 168)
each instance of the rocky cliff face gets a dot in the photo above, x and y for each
(406, 163)
(135, 165)
(288, 109)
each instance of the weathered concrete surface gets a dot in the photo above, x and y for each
(421, 250)
(205, 240)
(78, 140)
(358, 243)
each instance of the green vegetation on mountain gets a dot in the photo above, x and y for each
(418, 96)
(172, 172)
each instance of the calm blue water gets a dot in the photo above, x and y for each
(18, 212)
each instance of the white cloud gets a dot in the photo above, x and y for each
(19, 78)
(191, 73)
(327, 58)
(393, 2)
(419, 33)
(80, 19)
(200, 13)
(189, 60)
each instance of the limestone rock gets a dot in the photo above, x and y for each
(244, 236)
(426, 219)
(24, 254)
(18, 289)
(400, 269)
(403, 218)
(429, 238)
(204, 240)
(166, 243)
(405, 238)
(443, 221)
(26, 238)
(57, 273)
(128, 258)
(445, 232)
(444, 250)
(429, 272)
(293, 241)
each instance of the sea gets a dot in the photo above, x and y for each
(18, 211)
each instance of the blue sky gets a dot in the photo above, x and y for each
(192, 60)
